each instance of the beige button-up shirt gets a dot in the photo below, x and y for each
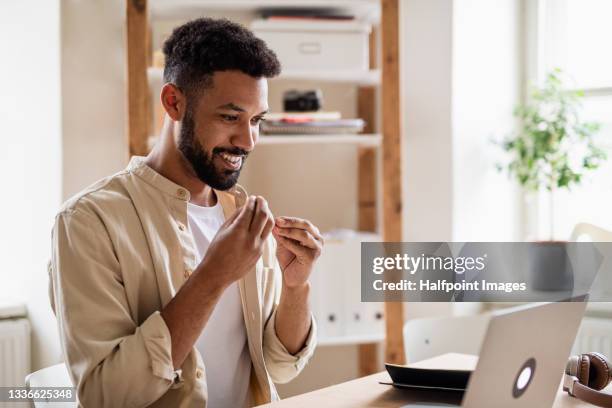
(121, 250)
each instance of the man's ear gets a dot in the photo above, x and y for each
(173, 101)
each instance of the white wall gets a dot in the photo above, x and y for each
(426, 62)
(63, 128)
(460, 81)
(93, 91)
(485, 89)
(30, 160)
(426, 78)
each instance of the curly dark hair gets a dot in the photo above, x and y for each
(198, 48)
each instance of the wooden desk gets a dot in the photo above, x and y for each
(367, 392)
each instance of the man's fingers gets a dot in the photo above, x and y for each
(267, 228)
(292, 246)
(303, 237)
(246, 214)
(294, 222)
(297, 249)
(261, 216)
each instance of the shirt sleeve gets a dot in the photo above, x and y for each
(112, 360)
(283, 366)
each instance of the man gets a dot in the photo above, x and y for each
(171, 286)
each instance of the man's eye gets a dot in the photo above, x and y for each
(257, 120)
(229, 118)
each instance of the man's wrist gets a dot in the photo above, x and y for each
(298, 292)
(214, 281)
(293, 317)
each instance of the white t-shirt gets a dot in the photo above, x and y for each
(223, 342)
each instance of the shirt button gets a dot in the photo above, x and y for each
(181, 227)
(199, 373)
(181, 193)
(187, 273)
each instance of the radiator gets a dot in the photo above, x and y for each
(14, 351)
(595, 334)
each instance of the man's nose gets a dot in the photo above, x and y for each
(245, 138)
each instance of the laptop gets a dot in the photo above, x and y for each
(522, 358)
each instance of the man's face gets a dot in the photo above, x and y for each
(221, 127)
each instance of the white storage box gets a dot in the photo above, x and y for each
(317, 45)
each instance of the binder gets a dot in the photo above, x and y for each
(336, 288)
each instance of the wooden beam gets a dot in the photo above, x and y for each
(366, 156)
(368, 359)
(138, 100)
(391, 151)
(373, 48)
(366, 191)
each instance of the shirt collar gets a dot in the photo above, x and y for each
(138, 166)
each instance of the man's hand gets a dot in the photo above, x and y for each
(231, 254)
(238, 243)
(299, 245)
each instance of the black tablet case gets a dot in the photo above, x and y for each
(424, 378)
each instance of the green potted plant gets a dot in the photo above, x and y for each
(551, 150)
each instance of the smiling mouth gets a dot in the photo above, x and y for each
(231, 161)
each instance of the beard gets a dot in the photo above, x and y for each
(202, 162)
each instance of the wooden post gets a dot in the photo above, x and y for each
(138, 103)
(368, 359)
(366, 109)
(392, 152)
(366, 188)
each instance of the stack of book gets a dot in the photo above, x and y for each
(320, 122)
(310, 13)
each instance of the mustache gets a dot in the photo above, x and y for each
(235, 151)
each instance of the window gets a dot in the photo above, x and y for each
(575, 35)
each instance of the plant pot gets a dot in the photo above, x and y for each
(549, 266)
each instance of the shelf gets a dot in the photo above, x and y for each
(350, 340)
(373, 140)
(365, 140)
(364, 10)
(371, 77)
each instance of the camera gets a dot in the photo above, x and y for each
(302, 101)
